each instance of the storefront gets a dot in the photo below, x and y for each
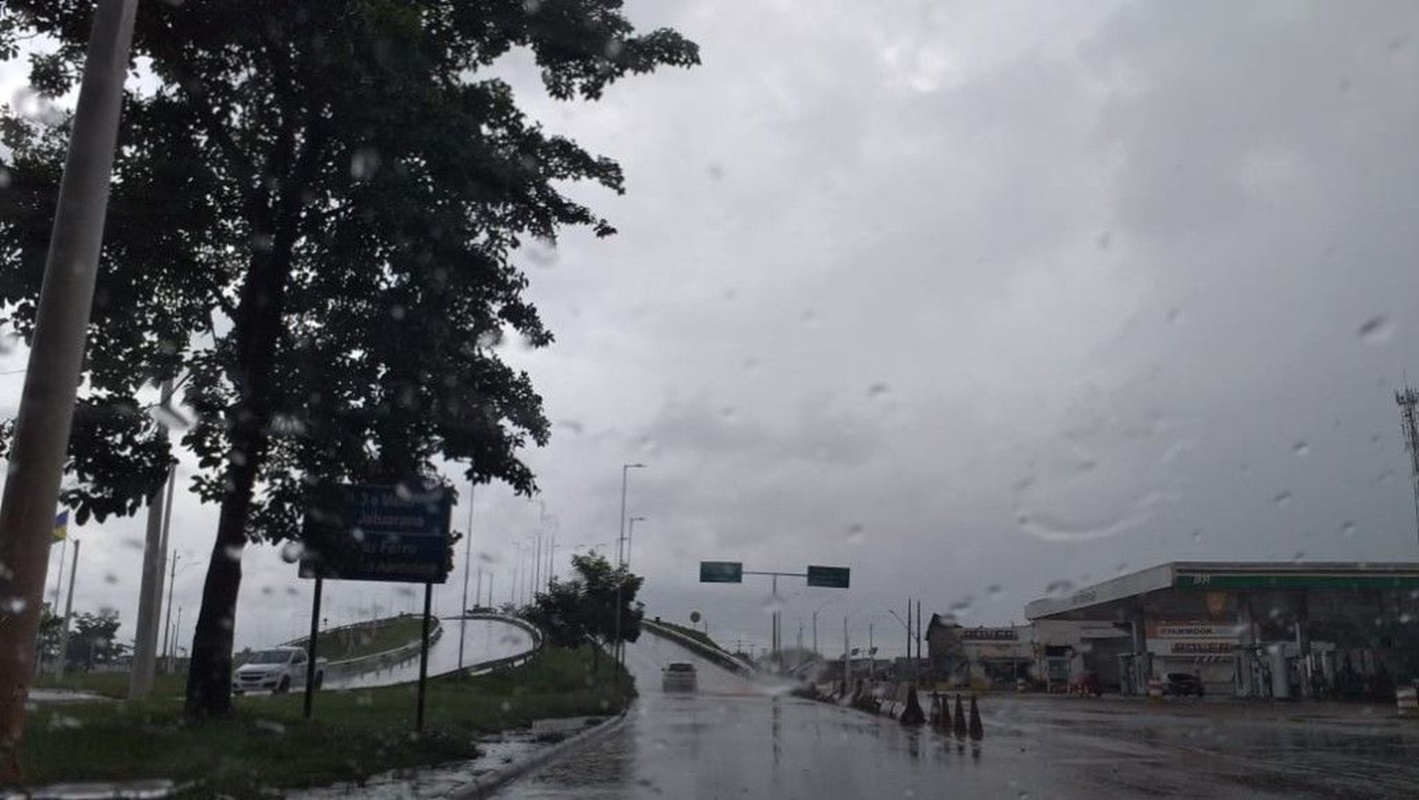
(1273, 630)
(1205, 650)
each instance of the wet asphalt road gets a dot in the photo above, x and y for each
(733, 740)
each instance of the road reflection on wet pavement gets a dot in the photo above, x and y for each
(732, 739)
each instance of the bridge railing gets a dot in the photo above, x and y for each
(714, 654)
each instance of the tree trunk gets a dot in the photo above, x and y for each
(209, 673)
(257, 333)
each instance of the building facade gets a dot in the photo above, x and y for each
(1258, 629)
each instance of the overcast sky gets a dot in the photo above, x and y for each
(973, 298)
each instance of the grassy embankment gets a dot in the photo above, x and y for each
(350, 642)
(268, 746)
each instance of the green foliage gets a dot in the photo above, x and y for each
(93, 640)
(583, 609)
(318, 217)
(316, 213)
(268, 746)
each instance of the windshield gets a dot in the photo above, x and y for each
(270, 657)
(812, 399)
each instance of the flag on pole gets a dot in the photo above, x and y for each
(61, 526)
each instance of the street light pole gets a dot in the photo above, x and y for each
(68, 612)
(621, 565)
(46, 413)
(172, 654)
(467, 561)
(820, 607)
(630, 536)
(847, 665)
(167, 624)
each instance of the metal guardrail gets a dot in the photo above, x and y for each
(532, 630)
(506, 661)
(720, 657)
(381, 660)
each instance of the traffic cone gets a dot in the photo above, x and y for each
(912, 714)
(936, 709)
(977, 730)
(959, 728)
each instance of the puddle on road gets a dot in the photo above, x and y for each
(438, 781)
(498, 752)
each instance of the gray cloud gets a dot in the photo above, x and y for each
(966, 297)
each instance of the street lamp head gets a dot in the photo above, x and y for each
(637, 465)
(638, 519)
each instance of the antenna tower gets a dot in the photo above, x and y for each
(1407, 400)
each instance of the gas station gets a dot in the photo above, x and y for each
(1258, 629)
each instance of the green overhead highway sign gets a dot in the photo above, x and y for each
(721, 572)
(828, 577)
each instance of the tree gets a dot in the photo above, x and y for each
(583, 609)
(94, 640)
(561, 613)
(316, 214)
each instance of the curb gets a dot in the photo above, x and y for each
(496, 779)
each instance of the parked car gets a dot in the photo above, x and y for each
(1182, 684)
(679, 677)
(278, 670)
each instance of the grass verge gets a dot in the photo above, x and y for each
(267, 746)
(342, 643)
(367, 638)
(112, 684)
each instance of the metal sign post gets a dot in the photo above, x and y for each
(424, 656)
(734, 572)
(377, 533)
(311, 648)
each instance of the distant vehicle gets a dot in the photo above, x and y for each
(679, 677)
(278, 670)
(1182, 684)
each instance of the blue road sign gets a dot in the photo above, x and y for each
(378, 533)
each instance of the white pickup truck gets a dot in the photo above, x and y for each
(279, 670)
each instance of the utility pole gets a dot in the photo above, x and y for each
(847, 665)
(145, 638)
(552, 562)
(467, 560)
(172, 579)
(918, 640)
(871, 653)
(68, 612)
(176, 630)
(59, 582)
(536, 566)
(55, 365)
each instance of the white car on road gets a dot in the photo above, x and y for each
(679, 677)
(279, 670)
